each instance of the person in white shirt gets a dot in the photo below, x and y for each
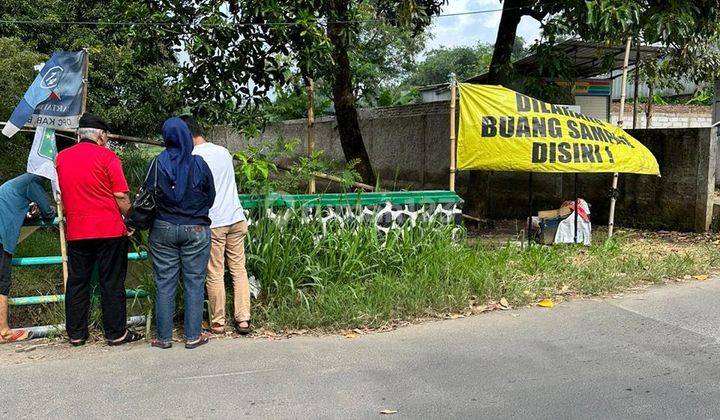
(229, 229)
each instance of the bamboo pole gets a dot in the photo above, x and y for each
(623, 91)
(311, 128)
(63, 244)
(636, 91)
(61, 216)
(453, 148)
(331, 178)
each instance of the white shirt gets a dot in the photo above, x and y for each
(226, 210)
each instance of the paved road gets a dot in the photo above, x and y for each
(648, 355)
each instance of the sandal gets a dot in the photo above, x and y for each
(204, 339)
(130, 337)
(243, 330)
(217, 328)
(16, 335)
(161, 344)
(79, 342)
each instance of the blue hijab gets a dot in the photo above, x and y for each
(177, 161)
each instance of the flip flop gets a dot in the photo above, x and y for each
(161, 344)
(243, 330)
(15, 336)
(204, 339)
(217, 328)
(130, 337)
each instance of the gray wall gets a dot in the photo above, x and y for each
(409, 148)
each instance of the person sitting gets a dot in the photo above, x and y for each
(180, 235)
(16, 195)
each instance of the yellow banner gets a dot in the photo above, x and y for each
(502, 130)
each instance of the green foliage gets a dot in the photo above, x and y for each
(131, 67)
(464, 62)
(384, 36)
(396, 96)
(16, 74)
(136, 161)
(351, 276)
(292, 103)
(257, 173)
(702, 96)
(686, 30)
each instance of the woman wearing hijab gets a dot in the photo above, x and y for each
(180, 235)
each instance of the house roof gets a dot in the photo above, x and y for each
(589, 60)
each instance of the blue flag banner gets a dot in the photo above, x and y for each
(54, 99)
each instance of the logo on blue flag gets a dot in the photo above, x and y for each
(54, 99)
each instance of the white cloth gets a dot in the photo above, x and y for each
(41, 160)
(566, 231)
(226, 209)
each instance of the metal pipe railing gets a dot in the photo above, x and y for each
(39, 300)
(56, 259)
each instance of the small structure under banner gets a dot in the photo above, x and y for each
(504, 130)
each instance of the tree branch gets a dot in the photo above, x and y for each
(536, 14)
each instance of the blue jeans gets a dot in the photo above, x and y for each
(177, 249)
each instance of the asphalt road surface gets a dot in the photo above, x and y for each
(645, 355)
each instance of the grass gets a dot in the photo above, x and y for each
(47, 280)
(350, 278)
(342, 277)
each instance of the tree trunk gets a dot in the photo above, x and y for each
(476, 198)
(343, 97)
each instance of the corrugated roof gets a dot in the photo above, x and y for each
(589, 59)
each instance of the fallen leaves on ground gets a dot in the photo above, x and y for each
(504, 304)
(700, 277)
(546, 303)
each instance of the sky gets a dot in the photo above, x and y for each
(470, 29)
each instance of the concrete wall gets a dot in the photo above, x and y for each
(409, 149)
(666, 116)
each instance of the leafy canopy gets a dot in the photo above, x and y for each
(132, 68)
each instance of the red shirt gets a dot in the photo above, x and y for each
(89, 174)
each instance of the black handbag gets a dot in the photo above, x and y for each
(144, 208)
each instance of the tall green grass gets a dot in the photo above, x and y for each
(354, 276)
(351, 275)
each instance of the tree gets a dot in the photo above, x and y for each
(132, 68)
(383, 56)
(243, 49)
(464, 61)
(683, 28)
(16, 74)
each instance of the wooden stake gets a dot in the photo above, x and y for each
(61, 216)
(623, 91)
(311, 128)
(453, 148)
(332, 178)
(86, 67)
(63, 244)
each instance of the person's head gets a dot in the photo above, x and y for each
(91, 127)
(196, 131)
(177, 136)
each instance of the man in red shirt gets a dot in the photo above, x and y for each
(94, 194)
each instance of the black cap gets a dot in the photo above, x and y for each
(93, 121)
